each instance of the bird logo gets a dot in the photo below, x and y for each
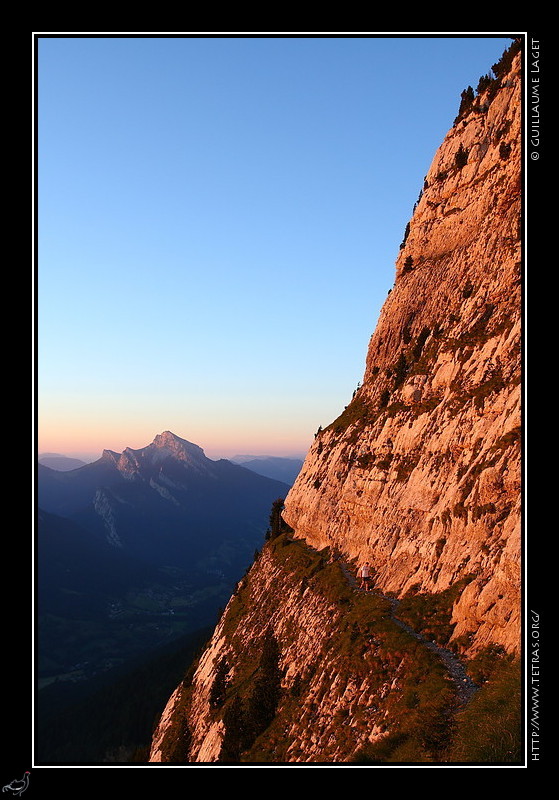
(17, 787)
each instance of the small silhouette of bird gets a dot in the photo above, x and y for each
(17, 787)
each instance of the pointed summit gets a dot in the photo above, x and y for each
(169, 444)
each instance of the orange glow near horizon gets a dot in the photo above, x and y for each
(78, 442)
(222, 428)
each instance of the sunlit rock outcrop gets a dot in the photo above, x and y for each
(421, 472)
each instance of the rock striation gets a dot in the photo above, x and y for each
(420, 475)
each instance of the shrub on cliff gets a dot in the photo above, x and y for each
(504, 150)
(384, 398)
(406, 234)
(484, 83)
(466, 101)
(245, 719)
(236, 737)
(461, 157)
(503, 65)
(400, 371)
(263, 702)
(277, 525)
(217, 692)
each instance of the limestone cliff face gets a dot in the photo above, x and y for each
(421, 473)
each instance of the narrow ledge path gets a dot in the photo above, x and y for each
(465, 687)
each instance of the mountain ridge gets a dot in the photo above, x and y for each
(60, 462)
(155, 464)
(173, 529)
(280, 468)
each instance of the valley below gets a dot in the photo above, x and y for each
(137, 553)
(142, 619)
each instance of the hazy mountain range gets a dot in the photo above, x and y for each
(60, 462)
(139, 547)
(277, 467)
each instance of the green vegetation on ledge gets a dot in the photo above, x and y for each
(277, 709)
(430, 614)
(362, 644)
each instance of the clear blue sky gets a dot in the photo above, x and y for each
(218, 220)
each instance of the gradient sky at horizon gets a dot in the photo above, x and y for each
(218, 220)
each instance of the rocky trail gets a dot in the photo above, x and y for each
(465, 687)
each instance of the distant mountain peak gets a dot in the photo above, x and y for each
(166, 445)
(173, 445)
